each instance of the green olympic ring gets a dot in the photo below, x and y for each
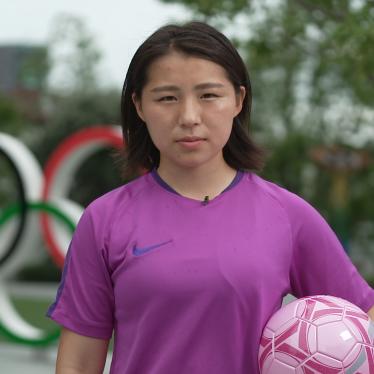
(13, 209)
(6, 215)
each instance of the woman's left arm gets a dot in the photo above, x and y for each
(318, 259)
(371, 313)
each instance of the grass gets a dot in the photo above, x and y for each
(33, 312)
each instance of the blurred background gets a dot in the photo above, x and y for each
(62, 66)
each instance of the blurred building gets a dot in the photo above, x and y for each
(23, 76)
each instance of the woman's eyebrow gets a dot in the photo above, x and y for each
(209, 85)
(197, 87)
(165, 88)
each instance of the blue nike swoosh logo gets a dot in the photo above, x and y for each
(139, 251)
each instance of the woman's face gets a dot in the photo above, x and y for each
(188, 105)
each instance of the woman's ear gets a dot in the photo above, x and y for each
(239, 99)
(138, 106)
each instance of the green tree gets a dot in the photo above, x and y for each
(12, 122)
(10, 117)
(74, 112)
(76, 100)
(74, 55)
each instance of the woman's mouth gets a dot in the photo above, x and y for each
(191, 142)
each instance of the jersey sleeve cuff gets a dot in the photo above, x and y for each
(81, 328)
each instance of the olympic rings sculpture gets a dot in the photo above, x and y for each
(43, 192)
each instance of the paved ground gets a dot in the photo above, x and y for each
(20, 360)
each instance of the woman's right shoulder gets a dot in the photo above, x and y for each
(120, 198)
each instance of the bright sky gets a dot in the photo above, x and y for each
(118, 26)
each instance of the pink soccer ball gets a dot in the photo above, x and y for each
(318, 334)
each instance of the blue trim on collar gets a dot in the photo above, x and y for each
(239, 175)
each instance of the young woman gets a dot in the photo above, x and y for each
(187, 262)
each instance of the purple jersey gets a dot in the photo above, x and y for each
(187, 286)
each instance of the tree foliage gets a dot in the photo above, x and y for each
(74, 55)
(75, 99)
(10, 117)
(307, 58)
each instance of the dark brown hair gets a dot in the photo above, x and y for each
(203, 41)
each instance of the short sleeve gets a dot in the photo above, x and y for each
(84, 301)
(320, 264)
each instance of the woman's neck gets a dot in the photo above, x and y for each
(196, 183)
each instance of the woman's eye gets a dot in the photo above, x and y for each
(209, 96)
(167, 98)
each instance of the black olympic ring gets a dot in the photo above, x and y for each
(23, 210)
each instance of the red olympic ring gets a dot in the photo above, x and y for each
(105, 136)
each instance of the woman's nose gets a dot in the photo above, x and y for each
(190, 114)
